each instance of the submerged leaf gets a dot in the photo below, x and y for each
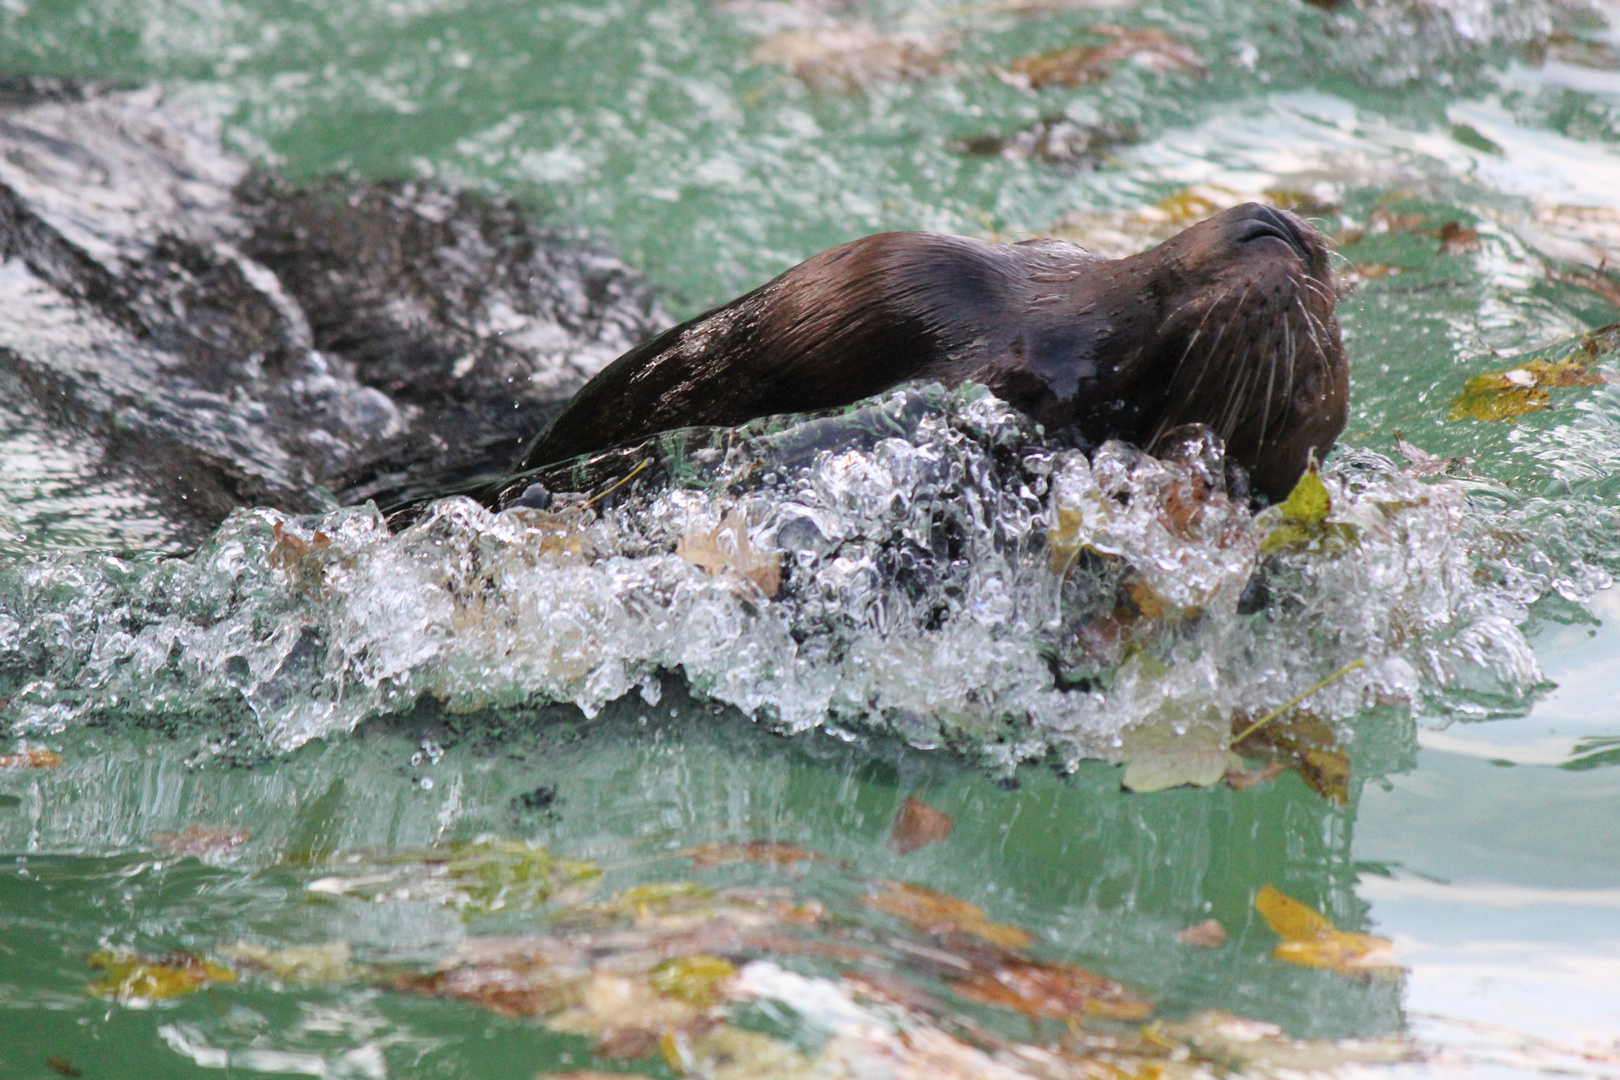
(1305, 743)
(1056, 991)
(1081, 64)
(940, 913)
(31, 758)
(657, 898)
(729, 1053)
(694, 979)
(1238, 1046)
(307, 964)
(476, 879)
(727, 547)
(202, 841)
(1209, 934)
(918, 825)
(765, 852)
(1173, 748)
(1311, 940)
(130, 977)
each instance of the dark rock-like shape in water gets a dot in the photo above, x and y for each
(183, 335)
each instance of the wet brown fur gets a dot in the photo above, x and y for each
(1229, 324)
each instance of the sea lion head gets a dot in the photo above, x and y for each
(1243, 339)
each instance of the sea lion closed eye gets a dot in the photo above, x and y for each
(1229, 324)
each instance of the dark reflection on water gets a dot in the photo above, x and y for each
(1100, 877)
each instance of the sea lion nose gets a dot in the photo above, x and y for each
(1260, 222)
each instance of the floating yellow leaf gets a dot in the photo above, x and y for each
(1502, 395)
(1311, 940)
(1302, 518)
(694, 979)
(130, 977)
(475, 879)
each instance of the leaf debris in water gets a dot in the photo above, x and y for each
(1302, 519)
(1057, 991)
(694, 979)
(130, 978)
(31, 758)
(728, 547)
(917, 825)
(1305, 743)
(1081, 64)
(475, 879)
(765, 852)
(1179, 745)
(1209, 934)
(1311, 940)
(853, 56)
(202, 841)
(941, 914)
(308, 965)
(1503, 395)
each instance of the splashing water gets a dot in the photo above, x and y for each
(926, 563)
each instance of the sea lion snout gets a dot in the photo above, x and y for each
(1254, 222)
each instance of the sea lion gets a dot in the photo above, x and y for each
(1228, 324)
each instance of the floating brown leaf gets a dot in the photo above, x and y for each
(764, 852)
(1209, 934)
(1455, 239)
(1239, 779)
(1385, 220)
(918, 825)
(727, 547)
(1311, 940)
(202, 841)
(1304, 742)
(1081, 64)
(1595, 282)
(31, 758)
(1056, 991)
(940, 913)
(851, 57)
(514, 985)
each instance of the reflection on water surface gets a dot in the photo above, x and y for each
(1463, 154)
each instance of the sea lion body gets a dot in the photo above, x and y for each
(1229, 324)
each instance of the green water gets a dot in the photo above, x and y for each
(1488, 851)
